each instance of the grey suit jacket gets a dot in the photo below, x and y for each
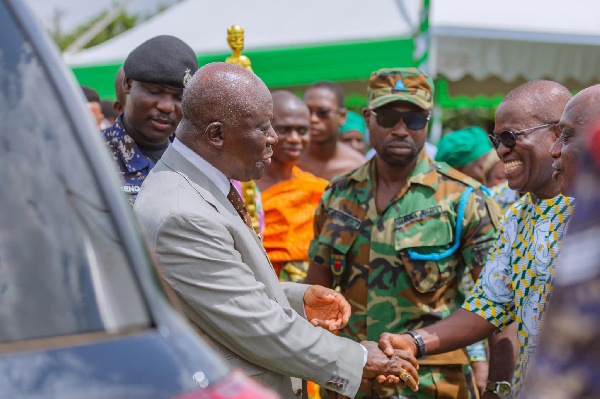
(228, 287)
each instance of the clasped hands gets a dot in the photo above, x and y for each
(329, 309)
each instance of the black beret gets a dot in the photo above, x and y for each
(163, 60)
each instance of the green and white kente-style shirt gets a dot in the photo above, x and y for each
(518, 276)
(504, 195)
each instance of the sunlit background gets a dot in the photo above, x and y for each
(477, 51)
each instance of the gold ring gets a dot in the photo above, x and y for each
(404, 375)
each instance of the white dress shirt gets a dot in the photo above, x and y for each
(214, 174)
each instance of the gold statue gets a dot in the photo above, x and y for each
(235, 38)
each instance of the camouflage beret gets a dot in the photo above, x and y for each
(163, 60)
(400, 84)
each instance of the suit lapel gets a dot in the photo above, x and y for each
(207, 190)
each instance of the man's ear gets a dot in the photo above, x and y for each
(127, 83)
(214, 134)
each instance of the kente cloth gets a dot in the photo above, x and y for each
(260, 214)
(517, 279)
(504, 195)
(237, 202)
(289, 208)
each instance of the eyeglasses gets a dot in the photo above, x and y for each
(323, 113)
(509, 139)
(414, 120)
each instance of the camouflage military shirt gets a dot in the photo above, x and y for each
(368, 252)
(517, 279)
(134, 165)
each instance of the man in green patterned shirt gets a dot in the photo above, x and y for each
(398, 234)
(517, 279)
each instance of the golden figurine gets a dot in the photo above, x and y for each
(235, 38)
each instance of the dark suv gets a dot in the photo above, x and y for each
(82, 311)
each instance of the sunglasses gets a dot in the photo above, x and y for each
(509, 139)
(387, 117)
(323, 113)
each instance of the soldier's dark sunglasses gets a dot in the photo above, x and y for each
(509, 139)
(387, 117)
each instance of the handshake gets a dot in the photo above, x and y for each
(392, 366)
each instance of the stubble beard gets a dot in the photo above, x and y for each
(398, 160)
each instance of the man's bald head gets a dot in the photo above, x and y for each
(577, 156)
(284, 100)
(221, 92)
(291, 121)
(544, 100)
(579, 122)
(591, 118)
(586, 105)
(227, 112)
(528, 165)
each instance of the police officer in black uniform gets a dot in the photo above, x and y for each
(155, 74)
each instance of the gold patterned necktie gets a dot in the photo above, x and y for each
(237, 202)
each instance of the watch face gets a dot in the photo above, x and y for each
(504, 390)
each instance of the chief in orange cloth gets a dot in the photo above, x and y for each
(289, 195)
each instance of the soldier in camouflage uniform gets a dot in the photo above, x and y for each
(398, 233)
(154, 78)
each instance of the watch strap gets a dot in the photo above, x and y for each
(501, 388)
(419, 343)
(490, 386)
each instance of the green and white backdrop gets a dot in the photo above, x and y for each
(476, 50)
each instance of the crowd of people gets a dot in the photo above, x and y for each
(407, 271)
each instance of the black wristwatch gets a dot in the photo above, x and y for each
(419, 343)
(501, 388)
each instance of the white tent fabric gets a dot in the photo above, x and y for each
(508, 39)
(531, 39)
(509, 60)
(267, 23)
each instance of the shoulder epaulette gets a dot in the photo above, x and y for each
(449, 171)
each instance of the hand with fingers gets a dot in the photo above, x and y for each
(398, 368)
(389, 342)
(326, 308)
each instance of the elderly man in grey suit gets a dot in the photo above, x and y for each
(216, 263)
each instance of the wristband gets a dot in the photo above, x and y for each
(418, 342)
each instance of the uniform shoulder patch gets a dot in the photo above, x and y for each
(449, 171)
